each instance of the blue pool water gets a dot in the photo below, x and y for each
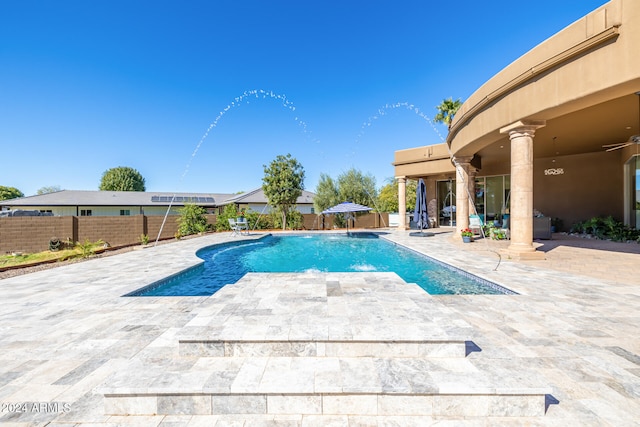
(358, 252)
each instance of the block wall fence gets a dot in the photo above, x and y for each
(32, 234)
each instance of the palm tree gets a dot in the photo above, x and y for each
(446, 110)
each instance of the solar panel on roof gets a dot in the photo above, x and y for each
(185, 199)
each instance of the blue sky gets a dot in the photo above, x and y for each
(87, 86)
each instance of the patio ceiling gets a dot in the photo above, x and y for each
(579, 132)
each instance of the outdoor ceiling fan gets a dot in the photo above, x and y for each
(633, 139)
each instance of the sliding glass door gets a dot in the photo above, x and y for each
(492, 198)
(446, 203)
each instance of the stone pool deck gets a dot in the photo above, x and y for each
(360, 349)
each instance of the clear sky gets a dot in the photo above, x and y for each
(90, 85)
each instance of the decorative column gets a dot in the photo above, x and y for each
(471, 187)
(521, 134)
(463, 184)
(402, 202)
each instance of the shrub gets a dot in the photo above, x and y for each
(192, 219)
(88, 248)
(222, 222)
(256, 220)
(606, 228)
(295, 220)
(259, 221)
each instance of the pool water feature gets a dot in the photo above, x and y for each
(356, 252)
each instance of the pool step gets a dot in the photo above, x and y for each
(373, 404)
(322, 386)
(322, 345)
(322, 348)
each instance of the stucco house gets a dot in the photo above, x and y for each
(112, 203)
(556, 131)
(125, 203)
(257, 201)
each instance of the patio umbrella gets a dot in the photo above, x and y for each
(420, 214)
(346, 207)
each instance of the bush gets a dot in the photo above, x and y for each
(222, 222)
(192, 220)
(88, 248)
(259, 221)
(295, 220)
(607, 228)
(256, 220)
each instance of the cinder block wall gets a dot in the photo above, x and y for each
(32, 234)
(371, 220)
(114, 230)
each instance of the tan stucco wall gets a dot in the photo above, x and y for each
(591, 185)
(599, 73)
(411, 162)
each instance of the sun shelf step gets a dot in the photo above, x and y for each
(323, 385)
(320, 348)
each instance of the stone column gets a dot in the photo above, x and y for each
(462, 195)
(402, 202)
(521, 134)
(471, 186)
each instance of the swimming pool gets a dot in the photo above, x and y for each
(357, 252)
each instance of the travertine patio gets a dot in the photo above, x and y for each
(326, 349)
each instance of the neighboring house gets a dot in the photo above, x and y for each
(112, 203)
(552, 132)
(257, 201)
(124, 203)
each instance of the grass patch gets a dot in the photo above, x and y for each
(81, 250)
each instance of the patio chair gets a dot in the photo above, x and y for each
(505, 227)
(242, 225)
(475, 224)
(235, 230)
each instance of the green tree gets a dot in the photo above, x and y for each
(446, 110)
(192, 219)
(50, 189)
(282, 184)
(7, 193)
(122, 178)
(353, 186)
(388, 196)
(356, 187)
(326, 193)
